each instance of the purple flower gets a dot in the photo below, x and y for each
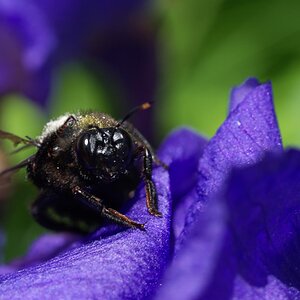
(27, 42)
(240, 236)
(229, 227)
(115, 38)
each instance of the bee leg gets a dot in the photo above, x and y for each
(154, 157)
(109, 213)
(151, 194)
(121, 219)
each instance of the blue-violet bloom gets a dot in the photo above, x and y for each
(229, 228)
(27, 42)
(116, 39)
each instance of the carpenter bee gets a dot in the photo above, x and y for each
(86, 165)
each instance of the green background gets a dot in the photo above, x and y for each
(205, 48)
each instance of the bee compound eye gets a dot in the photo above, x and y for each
(104, 151)
(85, 148)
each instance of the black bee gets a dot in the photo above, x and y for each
(86, 166)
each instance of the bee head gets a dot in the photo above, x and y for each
(107, 152)
(104, 152)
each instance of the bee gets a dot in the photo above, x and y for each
(85, 167)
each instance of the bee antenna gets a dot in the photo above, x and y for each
(144, 106)
(21, 149)
(18, 166)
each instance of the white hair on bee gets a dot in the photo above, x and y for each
(53, 126)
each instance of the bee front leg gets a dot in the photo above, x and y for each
(151, 194)
(108, 213)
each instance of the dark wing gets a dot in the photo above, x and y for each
(28, 142)
(16, 139)
(20, 165)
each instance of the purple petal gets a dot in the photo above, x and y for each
(248, 133)
(27, 23)
(182, 151)
(42, 249)
(37, 85)
(273, 290)
(27, 43)
(239, 93)
(264, 203)
(205, 259)
(190, 275)
(261, 249)
(244, 244)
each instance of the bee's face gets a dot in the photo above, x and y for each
(104, 152)
(100, 148)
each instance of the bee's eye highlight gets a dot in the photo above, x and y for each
(118, 136)
(86, 146)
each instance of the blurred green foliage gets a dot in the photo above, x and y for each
(210, 46)
(205, 47)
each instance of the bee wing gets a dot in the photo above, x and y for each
(21, 148)
(16, 139)
(18, 166)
